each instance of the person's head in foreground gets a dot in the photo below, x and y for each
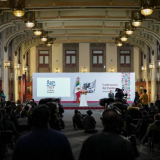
(157, 117)
(111, 120)
(40, 116)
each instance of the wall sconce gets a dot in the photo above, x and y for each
(143, 68)
(17, 66)
(144, 79)
(111, 70)
(7, 64)
(26, 68)
(137, 79)
(56, 70)
(158, 64)
(151, 66)
(84, 69)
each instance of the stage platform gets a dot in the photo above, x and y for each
(76, 106)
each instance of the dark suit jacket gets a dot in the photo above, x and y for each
(110, 95)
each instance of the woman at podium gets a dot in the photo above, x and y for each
(83, 101)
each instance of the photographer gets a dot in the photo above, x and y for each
(119, 95)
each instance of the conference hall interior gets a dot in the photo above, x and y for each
(79, 79)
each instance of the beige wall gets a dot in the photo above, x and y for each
(84, 57)
(32, 65)
(136, 62)
(111, 57)
(57, 54)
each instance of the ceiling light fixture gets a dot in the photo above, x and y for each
(18, 7)
(137, 18)
(49, 42)
(129, 28)
(147, 7)
(118, 42)
(37, 29)
(29, 19)
(44, 37)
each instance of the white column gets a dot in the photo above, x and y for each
(57, 57)
(111, 57)
(32, 56)
(146, 64)
(154, 73)
(5, 76)
(15, 77)
(5, 82)
(136, 63)
(84, 56)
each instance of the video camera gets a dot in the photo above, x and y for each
(104, 101)
(118, 89)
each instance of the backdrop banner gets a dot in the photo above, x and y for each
(98, 85)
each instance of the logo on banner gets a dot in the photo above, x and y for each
(50, 86)
(90, 87)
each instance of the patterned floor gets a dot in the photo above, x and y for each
(76, 138)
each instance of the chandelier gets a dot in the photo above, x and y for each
(44, 37)
(137, 18)
(118, 42)
(29, 19)
(129, 28)
(147, 7)
(37, 29)
(49, 42)
(18, 7)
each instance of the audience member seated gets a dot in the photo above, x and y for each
(152, 109)
(8, 103)
(19, 107)
(13, 105)
(13, 118)
(27, 108)
(109, 144)
(8, 125)
(133, 111)
(130, 128)
(133, 107)
(89, 123)
(23, 120)
(77, 120)
(152, 127)
(140, 106)
(143, 124)
(42, 143)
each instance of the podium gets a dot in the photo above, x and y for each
(83, 100)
